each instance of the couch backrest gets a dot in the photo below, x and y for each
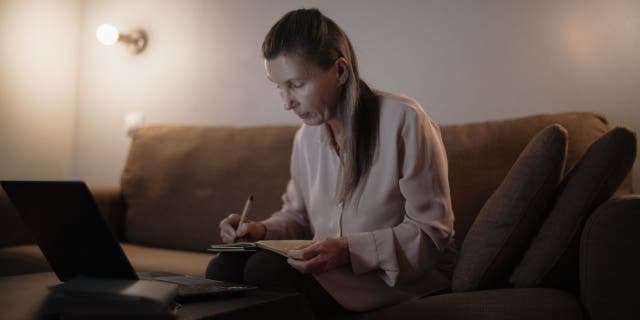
(179, 182)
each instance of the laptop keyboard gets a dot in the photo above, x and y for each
(194, 286)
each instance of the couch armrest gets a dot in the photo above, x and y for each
(111, 204)
(12, 230)
(609, 260)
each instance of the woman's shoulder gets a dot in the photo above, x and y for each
(396, 99)
(308, 134)
(397, 109)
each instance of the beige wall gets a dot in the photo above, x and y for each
(38, 69)
(464, 60)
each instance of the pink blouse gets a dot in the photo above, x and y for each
(403, 223)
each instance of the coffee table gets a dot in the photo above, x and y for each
(23, 296)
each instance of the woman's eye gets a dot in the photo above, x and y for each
(297, 84)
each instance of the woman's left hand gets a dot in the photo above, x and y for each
(320, 256)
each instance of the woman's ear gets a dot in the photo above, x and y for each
(343, 70)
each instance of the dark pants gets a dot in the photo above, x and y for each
(271, 271)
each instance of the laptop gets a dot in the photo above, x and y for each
(76, 240)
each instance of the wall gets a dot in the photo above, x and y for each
(38, 71)
(464, 60)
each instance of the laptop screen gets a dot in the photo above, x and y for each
(67, 226)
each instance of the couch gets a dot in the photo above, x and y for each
(180, 181)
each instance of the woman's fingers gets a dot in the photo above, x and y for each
(231, 219)
(249, 230)
(243, 229)
(228, 228)
(252, 231)
(320, 256)
(227, 239)
(302, 246)
(228, 236)
(296, 252)
(308, 266)
(305, 252)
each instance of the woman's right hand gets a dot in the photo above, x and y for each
(249, 231)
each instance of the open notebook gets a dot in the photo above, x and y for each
(277, 246)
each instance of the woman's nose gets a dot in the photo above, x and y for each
(289, 102)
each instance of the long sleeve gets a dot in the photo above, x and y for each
(406, 251)
(291, 221)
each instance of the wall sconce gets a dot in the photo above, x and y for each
(135, 40)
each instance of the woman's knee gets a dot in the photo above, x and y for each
(270, 270)
(228, 267)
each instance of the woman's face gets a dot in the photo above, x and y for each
(309, 91)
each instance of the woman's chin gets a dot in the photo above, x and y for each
(312, 121)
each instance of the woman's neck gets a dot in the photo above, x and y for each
(337, 132)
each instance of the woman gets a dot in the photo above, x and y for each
(368, 183)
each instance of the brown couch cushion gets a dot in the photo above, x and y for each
(554, 251)
(508, 220)
(179, 182)
(111, 205)
(29, 259)
(480, 155)
(500, 304)
(12, 229)
(22, 259)
(155, 259)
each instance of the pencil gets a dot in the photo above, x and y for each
(245, 211)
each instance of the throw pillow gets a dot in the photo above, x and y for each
(553, 254)
(508, 220)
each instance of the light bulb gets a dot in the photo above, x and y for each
(107, 34)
